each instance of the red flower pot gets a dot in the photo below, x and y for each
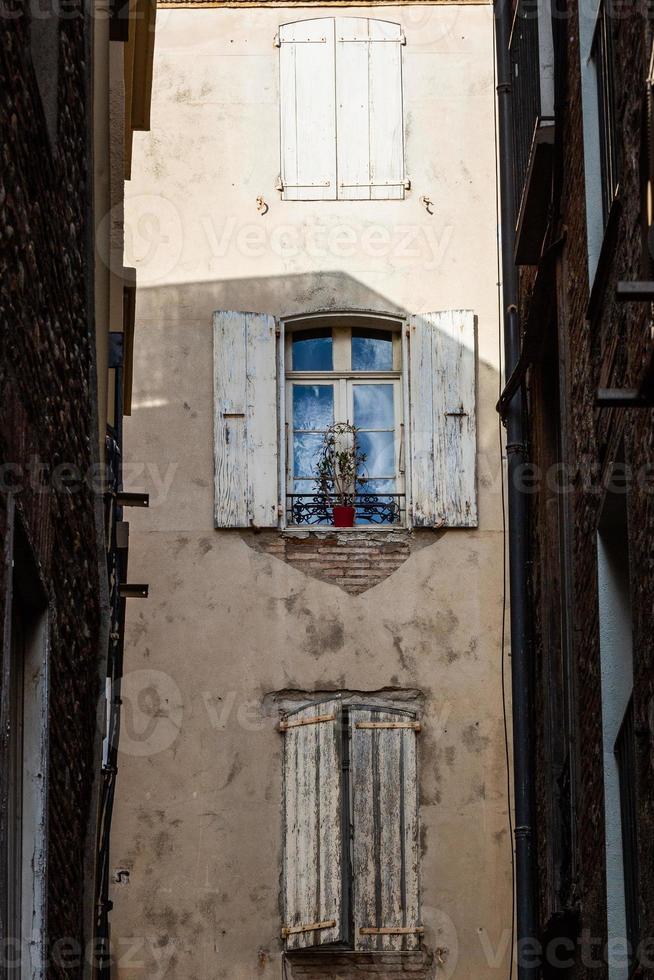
(343, 516)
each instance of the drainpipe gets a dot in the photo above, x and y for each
(518, 544)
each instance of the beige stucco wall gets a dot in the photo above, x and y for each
(198, 821)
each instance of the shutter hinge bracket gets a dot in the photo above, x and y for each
(277, 41)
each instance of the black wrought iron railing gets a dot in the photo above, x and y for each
(625, 754)
(370, 508)
(525, 73)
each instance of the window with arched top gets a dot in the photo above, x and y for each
(342, 125)
(346, 374)
(405, 385)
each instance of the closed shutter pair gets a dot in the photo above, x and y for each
(342, 131)
(351, 828)
(441, 431)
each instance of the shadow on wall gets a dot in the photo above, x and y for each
(173, 373)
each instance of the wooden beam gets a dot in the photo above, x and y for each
(415, 725)
(622, 398)
(315, 720)
(635, 292)
(390, 931)
(310, 927)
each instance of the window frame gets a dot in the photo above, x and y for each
(341, 324)
(24, 720)
(602, 59)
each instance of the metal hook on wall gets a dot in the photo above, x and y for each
(428, 203)
(262, 207)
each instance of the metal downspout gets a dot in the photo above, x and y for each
(518, 543)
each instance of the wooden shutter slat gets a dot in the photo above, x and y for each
(385, 832)
(308, 123)
(443, 416)
(369, 109)
(454, 359)
(313, 852)
(391, 838)
(422, 423)
(387, 173)
(245, 420)
(366, 821)
(353, 110)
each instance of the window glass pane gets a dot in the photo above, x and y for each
(312, 350)
(377, 486)
(379, 448)
(306, 446)
(373, 406)
(372, 350)
(313, 407)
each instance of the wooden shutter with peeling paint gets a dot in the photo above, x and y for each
(314, 840)
(385, 829)
(369, 112)
(245, 420)
(308, 117)
(442, 366)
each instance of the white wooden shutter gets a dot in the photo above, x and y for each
(245, 420)
(369, 112)
(442, 366)
(313, 811)
(385, 830)
(308, 118)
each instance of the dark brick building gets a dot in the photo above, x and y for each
(61, 391)
(581, 162)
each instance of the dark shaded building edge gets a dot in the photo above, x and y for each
(49, 411)
(584, 340)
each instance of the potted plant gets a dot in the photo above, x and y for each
(338, 467)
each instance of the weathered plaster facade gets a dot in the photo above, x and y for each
(232, 616)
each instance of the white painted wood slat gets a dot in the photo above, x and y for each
(442, 385)
(313, 850)
(387, 172)
(369, 110)
(353, 108)
(308, 114)
(245, 420)
(385, 833)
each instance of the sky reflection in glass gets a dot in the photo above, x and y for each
(306, 446)
(312, 352)
(372, 351)
(313, 407)
(373, 406)
(379, 448)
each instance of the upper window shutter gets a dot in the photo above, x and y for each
(369, 112)
(442, 364)
(313, 811)
(308, 118)
(245, 420)
(385, 830)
